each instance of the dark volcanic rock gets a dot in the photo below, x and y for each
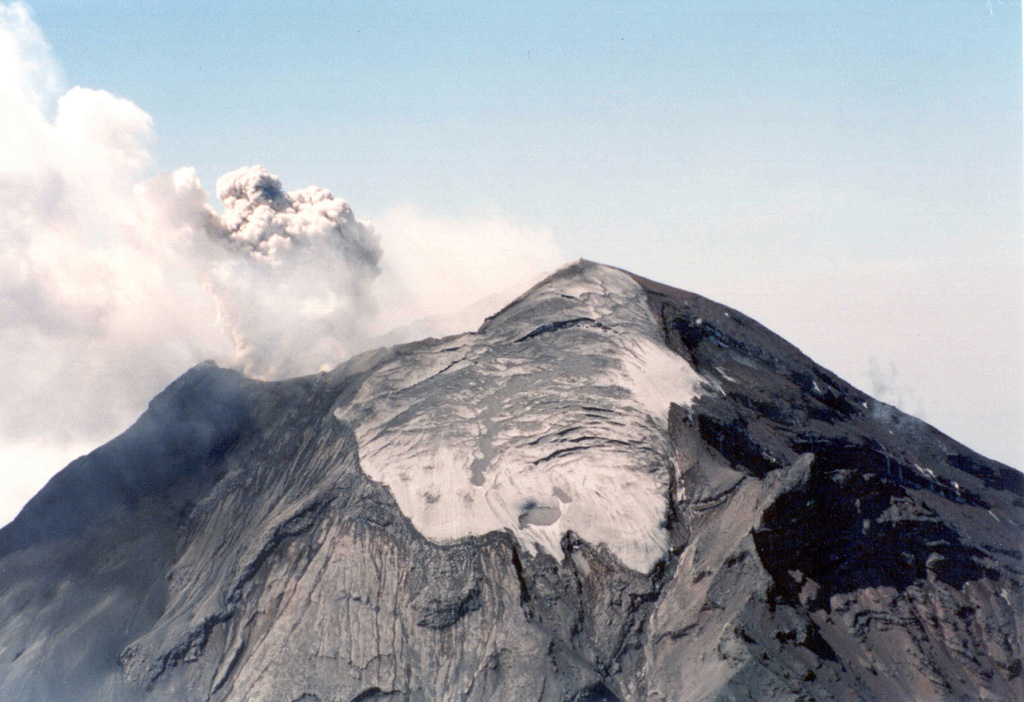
(612, 491)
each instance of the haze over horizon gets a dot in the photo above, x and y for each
(848, 176)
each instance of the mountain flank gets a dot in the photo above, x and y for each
(613, 490)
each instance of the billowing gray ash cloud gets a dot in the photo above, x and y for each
(298, 293)
(269, 221)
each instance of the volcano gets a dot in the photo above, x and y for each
(613, 490)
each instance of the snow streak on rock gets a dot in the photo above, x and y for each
(538, 430)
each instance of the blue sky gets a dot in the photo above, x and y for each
(886, 129)
(848, 173)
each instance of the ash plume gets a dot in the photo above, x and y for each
(292, 281)
(114, 281)
(268, 222)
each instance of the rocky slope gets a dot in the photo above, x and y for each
(612, 491)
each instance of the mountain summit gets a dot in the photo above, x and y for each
(613, 490)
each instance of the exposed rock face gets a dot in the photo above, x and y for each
(612, 491)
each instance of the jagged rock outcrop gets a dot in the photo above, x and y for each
(613, 490)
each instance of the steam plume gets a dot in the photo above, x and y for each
(113, 283)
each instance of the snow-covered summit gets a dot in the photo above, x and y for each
(551, 418)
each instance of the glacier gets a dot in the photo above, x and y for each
(535, 430)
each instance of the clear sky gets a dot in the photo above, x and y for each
(796, 131)
(848, 173)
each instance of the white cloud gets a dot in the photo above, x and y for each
(113, 283)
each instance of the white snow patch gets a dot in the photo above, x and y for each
(657, 377)
(927, 472)
(534, 425)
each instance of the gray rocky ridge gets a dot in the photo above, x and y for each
(613, 490)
